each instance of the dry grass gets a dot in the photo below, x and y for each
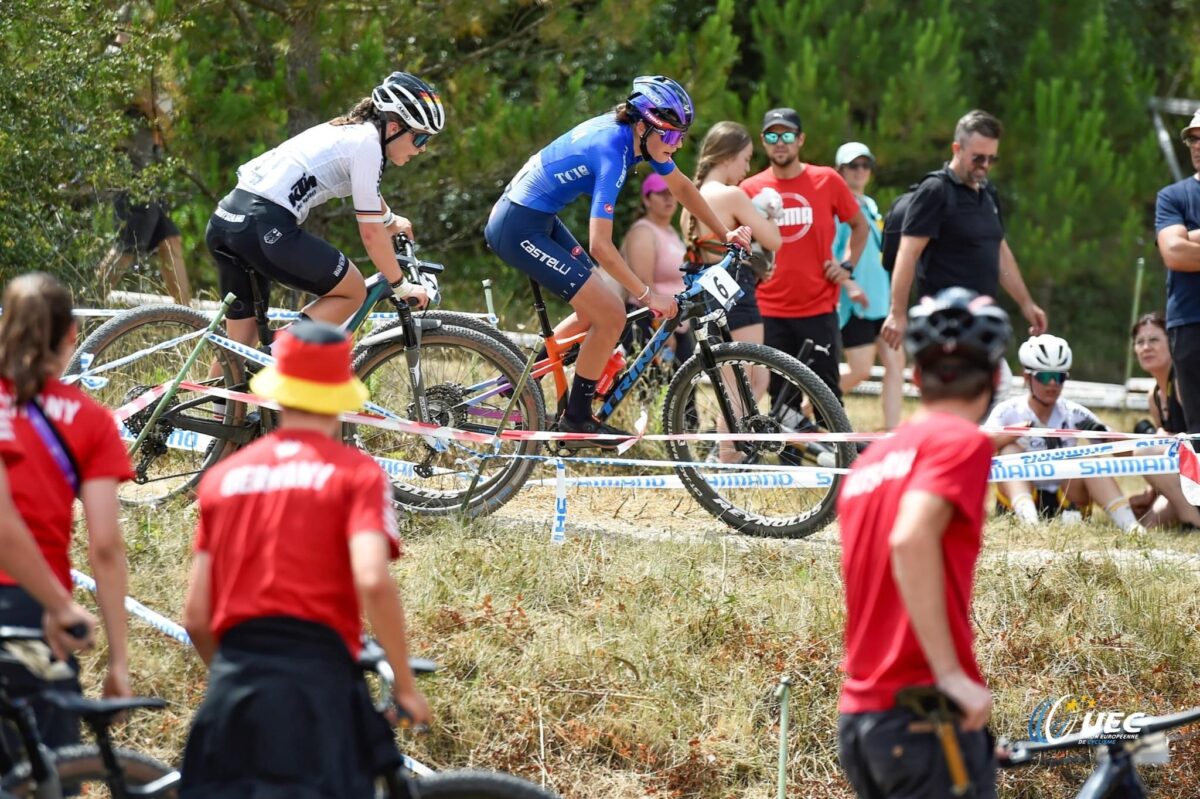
(620, 666)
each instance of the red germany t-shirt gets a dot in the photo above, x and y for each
(939, 454)
(276, 520)
(811, 200)
(40, 489)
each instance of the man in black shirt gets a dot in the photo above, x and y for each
(955, 232)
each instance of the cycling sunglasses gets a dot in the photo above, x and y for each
(1046, 378)
(787, 137)
(421, 139)
(671, 137)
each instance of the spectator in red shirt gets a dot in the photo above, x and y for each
(294, 539)
(911, 514)
(800, 299)
(71, 450)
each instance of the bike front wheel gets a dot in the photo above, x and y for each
(83, 767)
(139, 351)
(464, 375)
(753, 389)
(476, 785)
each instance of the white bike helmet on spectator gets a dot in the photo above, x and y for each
(1046, 353)
(411, 99)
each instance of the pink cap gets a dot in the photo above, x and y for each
(653, 183)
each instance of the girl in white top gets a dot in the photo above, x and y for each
(258, 224)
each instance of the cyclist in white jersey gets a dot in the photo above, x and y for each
(257, 225)
(1047, 361)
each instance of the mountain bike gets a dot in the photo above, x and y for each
(712, 393)
(43, 773)
(1115, 775)
(415, 366)
(412, 780)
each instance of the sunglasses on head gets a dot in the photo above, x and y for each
(984, 160)
(1046, 378)
(421, 139)
(787, 137)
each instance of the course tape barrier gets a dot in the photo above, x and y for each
(135, 608)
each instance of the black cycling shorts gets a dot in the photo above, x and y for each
(143, 227)
(253, 239)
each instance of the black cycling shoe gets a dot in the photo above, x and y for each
(591, 427)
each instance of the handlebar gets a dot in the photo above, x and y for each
(416, 270)
(1023, 752)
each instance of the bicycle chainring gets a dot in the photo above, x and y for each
(154, 444)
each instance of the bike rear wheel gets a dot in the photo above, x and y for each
(792, 504)
(175, 453)
(83, 765)
(461, 370)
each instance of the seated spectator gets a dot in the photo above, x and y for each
(1162, 503)
(1047, 363)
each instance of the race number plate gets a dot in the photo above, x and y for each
(721, 285)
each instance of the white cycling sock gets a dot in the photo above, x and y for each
(1122, 514)
(1022, 505)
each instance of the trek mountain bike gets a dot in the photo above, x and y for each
(416, 367)
(713, 392)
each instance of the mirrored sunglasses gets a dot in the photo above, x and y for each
(671, 137)
(1046, 378)
(421, 139)
(787, 137)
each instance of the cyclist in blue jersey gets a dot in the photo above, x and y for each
(594, 158)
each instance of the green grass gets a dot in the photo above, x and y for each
(612, 666)
(624, 666)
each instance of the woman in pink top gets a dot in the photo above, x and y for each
(654, 250)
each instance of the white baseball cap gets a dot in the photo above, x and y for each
(1193, 125)
(851, 150)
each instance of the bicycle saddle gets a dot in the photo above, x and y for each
(99, 710)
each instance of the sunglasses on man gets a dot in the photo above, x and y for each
(1191, 141)
(1046, 378)
(984, 160)
(421, 139)
(787, 137)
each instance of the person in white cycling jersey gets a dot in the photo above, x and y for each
(1047, 363)
(259, 224)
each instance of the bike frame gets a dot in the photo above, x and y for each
(689, 308)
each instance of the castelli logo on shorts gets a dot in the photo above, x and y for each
(576, 251)
(608, 208)
(273, 235)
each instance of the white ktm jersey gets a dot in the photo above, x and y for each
(1065, 415)
(323, 162)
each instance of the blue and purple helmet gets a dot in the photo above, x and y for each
(664, 105)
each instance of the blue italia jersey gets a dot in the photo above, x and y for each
(592, 158)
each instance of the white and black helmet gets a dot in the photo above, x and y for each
(959, 323)
(1046, 353)
(411, 99)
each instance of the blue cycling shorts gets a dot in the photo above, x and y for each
(540, 245)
